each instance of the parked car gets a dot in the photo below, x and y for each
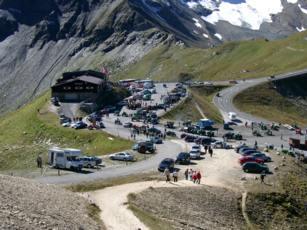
(189, 138)
(220, 145)
(253, 167)
(154, 131)
(171, 133)
(123, 156)
(90, 162)
(250, 152)
(156, 140)
(143, 147)
(196, 147)
(245, 159)
(241, 150)
(127, 125)
(194, 154)
(166, 163)
(262, 156)
(80, 125)
(101, 125)
(66, 124)
(169, 125)
(183, 158)
(147, 97)
(237, 149)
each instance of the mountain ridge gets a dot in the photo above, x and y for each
(40, 40)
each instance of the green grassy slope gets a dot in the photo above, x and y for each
(203, 96)
(27, 132)
(264, 101)
(245, 59)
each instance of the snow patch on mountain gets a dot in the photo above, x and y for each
(250, 14)
(208, 4)
(197, 24)
(218, 36)
(302, 9)
(205, 35)
(300, 29)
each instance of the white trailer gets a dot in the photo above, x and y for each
(65, 158)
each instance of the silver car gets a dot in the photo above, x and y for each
(122, 156)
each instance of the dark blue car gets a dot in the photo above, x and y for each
(166, 163)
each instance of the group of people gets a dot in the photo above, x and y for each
(193, 175)
(167, 174)
(190, 174)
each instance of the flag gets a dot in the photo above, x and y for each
(105, 71)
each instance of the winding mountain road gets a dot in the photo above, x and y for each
(225, 101)
(171, 147)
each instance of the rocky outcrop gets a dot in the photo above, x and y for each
(41, 39)
(25, 204)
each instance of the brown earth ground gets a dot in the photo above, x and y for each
(227, 198)
(25, 204)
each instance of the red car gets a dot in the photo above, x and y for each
(245, 159)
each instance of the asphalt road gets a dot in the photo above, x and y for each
(225, 102)
(167, 149)
(172, 148)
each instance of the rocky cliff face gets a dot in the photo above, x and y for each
(41, 39)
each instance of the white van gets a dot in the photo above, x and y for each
(232, 116)
(65, 158)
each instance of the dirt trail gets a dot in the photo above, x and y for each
(246, 218)
(113, 202)
(200, 110)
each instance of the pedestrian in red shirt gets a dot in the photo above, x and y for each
(198, 177)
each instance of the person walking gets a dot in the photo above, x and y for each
(194, 177)
(190, 173)
(210, 151)
(186, 174)
(198, 177)
(39, 161)
(256, 145)
(175, 176)
(206, 149)
(167, 174)
(262, 176)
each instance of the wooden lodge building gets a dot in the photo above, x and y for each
(79, 86)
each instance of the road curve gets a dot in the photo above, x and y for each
(225, 102)
(169, 149)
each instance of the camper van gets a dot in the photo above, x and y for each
(232, 116)
(65, 158)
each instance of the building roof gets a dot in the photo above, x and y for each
(90, 79)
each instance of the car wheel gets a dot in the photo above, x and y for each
(246, 170)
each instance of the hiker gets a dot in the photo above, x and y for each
(210, 151)
(262, 176)
(39, 161)
(198, 177)
(194, 177)
(282, 146)
(256, 145)
(186, 174)
(206, 148)
(175, 176)
(167, 174)
(190, 173)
